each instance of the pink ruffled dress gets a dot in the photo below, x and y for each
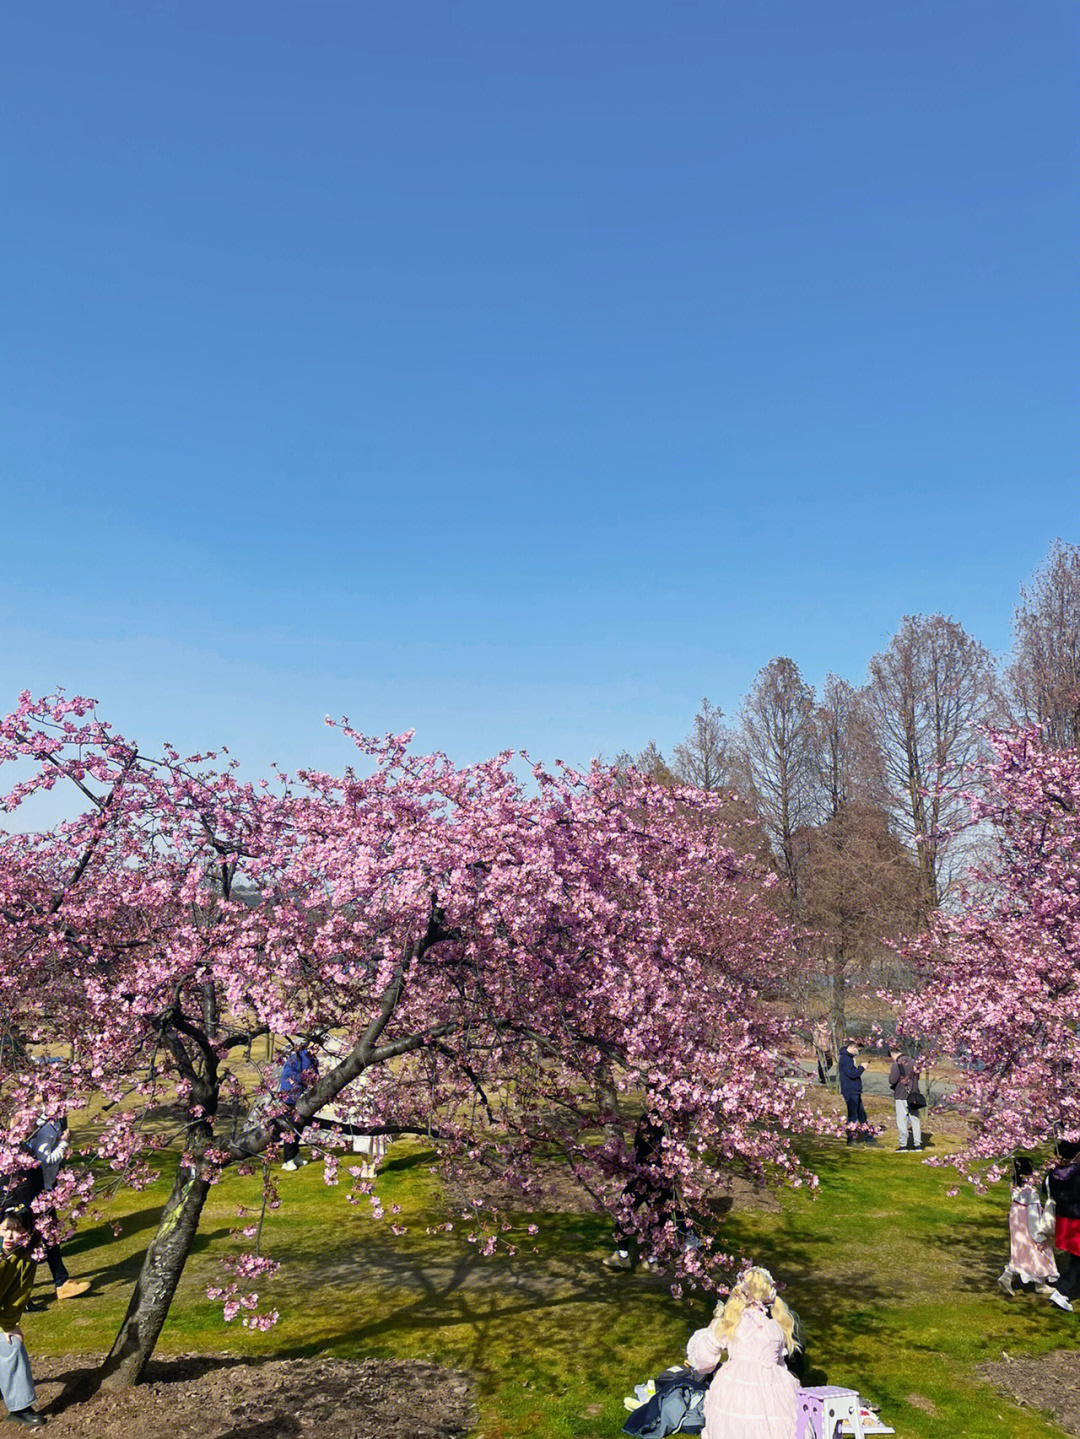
(1031, 1261)
(753, 1395)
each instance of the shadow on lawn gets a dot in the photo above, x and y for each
(125, 1270)
(981, 1245)
(561, 1316)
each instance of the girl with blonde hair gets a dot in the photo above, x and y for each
(753, 1395)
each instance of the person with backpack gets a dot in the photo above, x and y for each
(858, 1126)
(904, 1083)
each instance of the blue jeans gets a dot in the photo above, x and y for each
(16, 1382)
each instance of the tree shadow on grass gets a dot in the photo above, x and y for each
(980, 1244)
(125, 1270)
(399, 1164)
(506, 1307)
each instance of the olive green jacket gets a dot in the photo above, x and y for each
(16, 1284)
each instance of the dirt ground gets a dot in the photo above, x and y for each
(1050, 1382)
(225, 1397)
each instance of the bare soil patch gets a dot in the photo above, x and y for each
(226, 1397)
(1050, 1382)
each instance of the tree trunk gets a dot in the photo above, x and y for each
(839, 994)
(607, 1099)
(162, 1266)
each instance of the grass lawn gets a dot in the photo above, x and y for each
(893, 1280)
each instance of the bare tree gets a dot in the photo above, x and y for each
(702, 758)
(848, 762)
(859, 888)
(928, 695)
(857, 883)
(651, 762)
(1044, 677)
(776, 753)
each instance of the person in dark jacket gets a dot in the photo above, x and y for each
(858, 1126)
(651, 1189)
(903, 1081)
(299, 1072)
(1063, 1183)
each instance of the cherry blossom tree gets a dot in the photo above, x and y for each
(507, 966)
(999, 981)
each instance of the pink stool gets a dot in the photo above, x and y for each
(821, 1412)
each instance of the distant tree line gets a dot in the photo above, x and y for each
(856, 795)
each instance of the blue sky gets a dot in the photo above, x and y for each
(518, 373)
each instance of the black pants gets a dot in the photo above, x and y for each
(1069, 1274)
(663, 1201)
(54, 1259)
(856, 1119)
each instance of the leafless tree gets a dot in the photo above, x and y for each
(928, 695)
(848, 762)
(702, 758)
(859, 888)
(1044, 677)
(776, 754)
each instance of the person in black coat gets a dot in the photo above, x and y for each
(1063, 1184)
(650, 1189)
(858, 1126)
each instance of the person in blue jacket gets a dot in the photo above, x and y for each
(299, 1072)
(858, 1126)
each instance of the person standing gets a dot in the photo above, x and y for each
(1063, 1183)
(49, 1146)
(904, 1081)
(17, 1268)
(299, 1072)
(1031, 1258)
(822, 1039)
(858, 1126)
(651, 1188)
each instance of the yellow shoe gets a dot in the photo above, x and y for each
(71, 1288)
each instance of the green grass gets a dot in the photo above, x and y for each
(893, 1280)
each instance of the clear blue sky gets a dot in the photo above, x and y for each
(521, 373)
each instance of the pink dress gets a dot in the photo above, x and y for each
(753, 1394)
(1031, 1262)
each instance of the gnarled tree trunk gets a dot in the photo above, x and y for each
(162, 1267)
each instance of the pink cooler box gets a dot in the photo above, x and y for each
(821, 1412)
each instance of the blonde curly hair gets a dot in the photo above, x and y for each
(756, 1286)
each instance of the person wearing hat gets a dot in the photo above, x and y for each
(858, 1126)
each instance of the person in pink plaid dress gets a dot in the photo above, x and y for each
(753, 1395)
